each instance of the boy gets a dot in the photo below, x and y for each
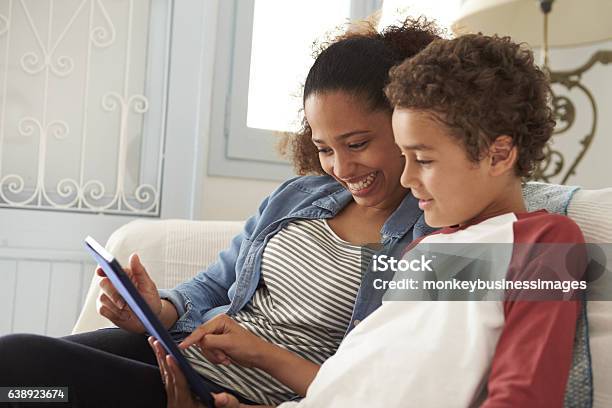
(471, 117)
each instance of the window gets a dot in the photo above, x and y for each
(264, 50)
(281, 57)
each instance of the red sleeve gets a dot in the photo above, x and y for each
(533, 357)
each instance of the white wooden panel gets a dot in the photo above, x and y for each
(31, 299)
(52, 303)
(8, 273)
(64, 298)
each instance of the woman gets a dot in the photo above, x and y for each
(292, 281)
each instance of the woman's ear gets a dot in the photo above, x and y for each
(503, 155)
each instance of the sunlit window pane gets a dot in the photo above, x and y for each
(281, 54)
(444, 11)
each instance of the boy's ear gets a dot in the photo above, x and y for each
(502, 155)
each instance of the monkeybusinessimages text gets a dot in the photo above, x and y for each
(423, 264)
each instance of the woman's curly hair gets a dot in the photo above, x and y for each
(357, 63)
(481, 87)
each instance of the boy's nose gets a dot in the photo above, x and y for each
(409, 177)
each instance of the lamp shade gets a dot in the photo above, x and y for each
(570, 23)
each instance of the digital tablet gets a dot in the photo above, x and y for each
(139, 306)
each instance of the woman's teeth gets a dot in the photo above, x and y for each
(363, 184)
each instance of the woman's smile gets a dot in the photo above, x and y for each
(361, 186)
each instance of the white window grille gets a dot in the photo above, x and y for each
(82, 104)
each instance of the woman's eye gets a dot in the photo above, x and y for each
(357, 145)
(424, 162)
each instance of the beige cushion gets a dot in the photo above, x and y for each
(592, 211)
(172, 251)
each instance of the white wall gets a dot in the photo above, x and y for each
(233, 198)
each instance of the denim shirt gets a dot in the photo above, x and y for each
(228, 285)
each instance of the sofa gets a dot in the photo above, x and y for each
(174, 250)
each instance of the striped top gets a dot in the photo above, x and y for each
(304, 302)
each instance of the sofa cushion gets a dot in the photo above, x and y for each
(592, 211)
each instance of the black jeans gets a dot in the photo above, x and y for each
(104, 368)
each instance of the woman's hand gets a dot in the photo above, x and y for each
(112, 305)
(223, 341)
(177, 390)
(225, 400)
(178, 394)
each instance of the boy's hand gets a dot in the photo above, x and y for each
(112, 305)
(223, 341)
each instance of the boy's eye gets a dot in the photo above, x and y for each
(357, 145)
(323, 150)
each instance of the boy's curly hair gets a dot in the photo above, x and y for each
(358, 63)
(481, 87)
